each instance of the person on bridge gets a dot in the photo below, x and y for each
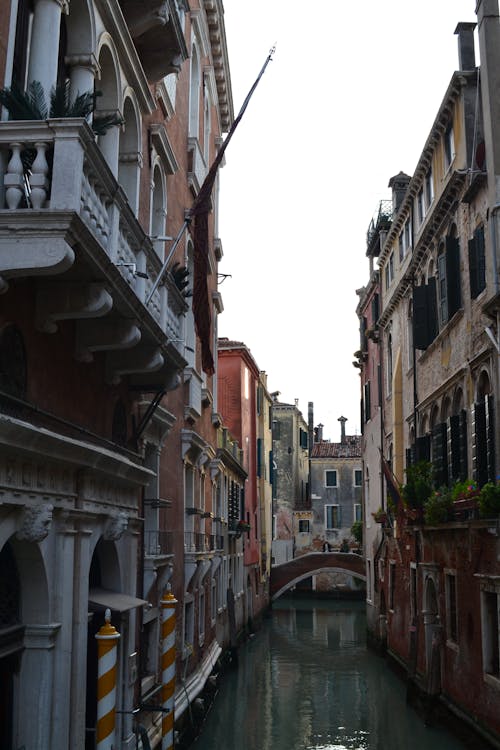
(344, 547)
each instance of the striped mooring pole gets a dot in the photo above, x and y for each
(167, 603)
(107, 640)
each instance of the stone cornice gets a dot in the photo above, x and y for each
(220, 59)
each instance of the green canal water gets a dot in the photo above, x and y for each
(306, 681)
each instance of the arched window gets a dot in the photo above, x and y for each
(483, 432)
(389, 362)
(130, 154)
(194, 94)
(158, 208)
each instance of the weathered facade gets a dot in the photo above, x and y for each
(435, 599)
(290, 476)
(115, 474)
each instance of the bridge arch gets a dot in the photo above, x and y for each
(287, 575)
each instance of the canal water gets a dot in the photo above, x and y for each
(306, 681)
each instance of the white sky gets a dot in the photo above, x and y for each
(347, 102)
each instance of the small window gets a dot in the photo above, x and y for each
(449, 146)
(490, 632)
(429, 188)
(357, 512)
(358, 477)
(392, 584)
(420, 206)
(330, 478)
(477, 263)
(303, 526)
(332, 517)
(451, 608)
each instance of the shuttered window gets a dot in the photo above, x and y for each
(477, 263)
(440, 454)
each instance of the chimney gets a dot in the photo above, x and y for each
(342, 421)
(318, 432)
(466, 54)
(399, 184)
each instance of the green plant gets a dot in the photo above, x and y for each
(32, 105)
(380, 515)
(489, 500)
(464, 490)
(357, 531)
(437, 507)
(419, 484)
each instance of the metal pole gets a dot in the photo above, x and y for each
(167, 604)
(167, 260)
(107, 640)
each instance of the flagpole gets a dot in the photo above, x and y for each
(215, 165)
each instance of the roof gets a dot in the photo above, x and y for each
(350, 449)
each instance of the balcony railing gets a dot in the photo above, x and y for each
(158, 543)
(199, 542)
(70, 191)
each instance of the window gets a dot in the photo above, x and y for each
(392, 584)
(490, 632)
(304, 526)
(429, 188)
(477, 264)
(413, 591)
(451, 607)
(332, 517)
(449, 146)
(358, 477)
(389, 271)
(357, 512)
(449, 280)
(188, 625)
(330, 478)
(420, 206)
(303, 438)
(367, 402)
(407, 236)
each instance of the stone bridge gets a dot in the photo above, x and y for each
(288, 574)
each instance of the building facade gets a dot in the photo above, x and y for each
(117, 481)
(434, 563)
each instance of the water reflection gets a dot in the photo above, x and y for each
(307, 682)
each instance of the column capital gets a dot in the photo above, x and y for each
(84, 60)
(41, 636)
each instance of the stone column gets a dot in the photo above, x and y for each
(83, 70)
(36, 687)
(44, 51)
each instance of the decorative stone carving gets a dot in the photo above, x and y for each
(115, 527)
(36, 522)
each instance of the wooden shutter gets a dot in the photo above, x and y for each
(454, 447)
(420, 325)
(440, 454)
(481, 261)
(453, 275)
(464, 443)
(474, 287)
(479, 454)
(423, 447)
(490, 437)
(443, 291)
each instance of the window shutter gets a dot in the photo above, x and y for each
(439, 454)
(453, 275)
(423, 448)
(409, 456)
(474, 287)
(490, 437)
(481, 261)
(479, 456)
(464, 443)
(454, 445)
(375, 309)
(420, 327)
(432, 314)
(259, 457)
(443, 301)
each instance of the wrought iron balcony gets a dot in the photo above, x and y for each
(74, 229)
(158, 543)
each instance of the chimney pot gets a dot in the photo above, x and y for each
(466, 53)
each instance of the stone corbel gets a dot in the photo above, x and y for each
(35, 523)
(70, 301)
(152, 13)
(142, 358)
(115, 527)
(104, 335)
(215, 468)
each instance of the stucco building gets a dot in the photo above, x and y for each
(434, 597)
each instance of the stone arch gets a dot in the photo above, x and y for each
(130, 150)
(110, 100)
(287, 575)
(445, 408)
(194, 92)
(105, 566)
(483, 385)
(81, 29)
(158, 216)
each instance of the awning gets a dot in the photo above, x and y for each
(103, 599)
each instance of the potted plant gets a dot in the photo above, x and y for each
(380, 516)
(438, 506)
(419, 485)
(465, 495)
(489, 500)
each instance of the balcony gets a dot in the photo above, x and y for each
(156, 29)
(158, 543)
(67, 222)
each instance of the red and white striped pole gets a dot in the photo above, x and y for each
(107, 640)
(167, 603)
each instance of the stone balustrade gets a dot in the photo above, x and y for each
(57, 166)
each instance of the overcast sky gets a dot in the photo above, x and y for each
(347, 102)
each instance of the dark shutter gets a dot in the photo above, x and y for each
(464, 443)
(259, 457)
(454, 446)
(432, 309)
(367, 402)
(375, 309)
(420, 320)
(443, 291)
(473, 271)
(440, 454)
(423, 448)
(490, 437)
(453, 275)
(410, 455)
(479, 454)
